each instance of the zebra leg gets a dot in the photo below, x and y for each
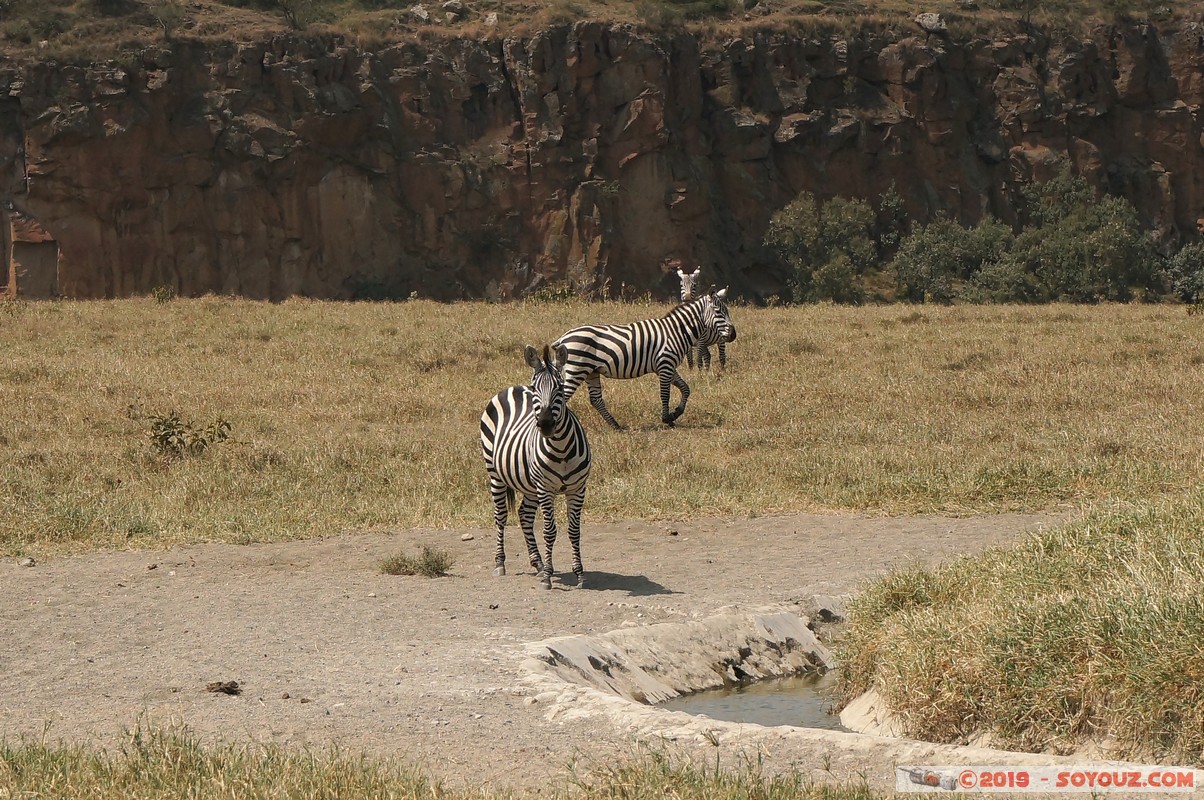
(526, 517)
(548, 507)
(704, 357)
(723, 354)
(501, 503)
(670, 377)
(690, 357)
(575, 501)
(683, 387)
(594, 384)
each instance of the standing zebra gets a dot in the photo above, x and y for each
(638, 348)
(688, 282)
(533, 444)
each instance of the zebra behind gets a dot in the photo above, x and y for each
(688, 282)
(638, 348)
(534, 446)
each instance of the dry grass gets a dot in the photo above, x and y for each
(1089, 632)
(86, 30)
(432, 562)
(167, 764)
(355, 416)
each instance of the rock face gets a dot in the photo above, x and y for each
(591, 153)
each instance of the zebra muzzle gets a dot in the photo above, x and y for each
(731, 333)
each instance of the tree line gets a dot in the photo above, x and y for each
(1074, 245)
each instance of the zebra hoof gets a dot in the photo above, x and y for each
(580, 581)
(546, 582)
(499, 570)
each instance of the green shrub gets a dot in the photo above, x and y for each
(1005, 281)
(1097, 251)
(1084, 247)
(174, 437)
(828, 247)
(1186, 270)
(936, 260)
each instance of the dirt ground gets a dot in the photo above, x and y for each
(330, 650)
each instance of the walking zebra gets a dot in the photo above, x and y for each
(688, 282)
(534, 445)
(638, 348)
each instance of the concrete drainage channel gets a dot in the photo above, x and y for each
(622, 676)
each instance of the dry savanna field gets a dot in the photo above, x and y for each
(142, 424)
(347, 417)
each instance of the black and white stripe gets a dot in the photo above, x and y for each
(688, 279)
(638, 348)
(709, 338)
(535, 446)
(688, 282)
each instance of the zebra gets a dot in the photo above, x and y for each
(534, 444)
(688, 282)
(638, 348)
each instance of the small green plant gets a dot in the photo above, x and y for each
(671, 13)
(173, 437)
(170, 15)
(299, 14)
(163, 293)
(431, 563)
(558, 292)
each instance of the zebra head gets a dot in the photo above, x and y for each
(547, 384)
(687, 284)
(717, 318)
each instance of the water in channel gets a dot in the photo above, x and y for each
(802, 701)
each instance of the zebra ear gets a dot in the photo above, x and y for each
(695, 275)
(722, 293)
(562, 357)
(681, 274)
(533, 359)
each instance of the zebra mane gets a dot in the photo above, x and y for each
(687, 306)
(689, 314)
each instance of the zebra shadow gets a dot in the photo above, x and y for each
(701, 421)
(634, 585)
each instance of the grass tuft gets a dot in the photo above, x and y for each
(166, 764)
(173, 763)
(658, 776)
(430, 563)
(1087, 633)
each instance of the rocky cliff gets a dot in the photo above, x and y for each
(591, 153)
